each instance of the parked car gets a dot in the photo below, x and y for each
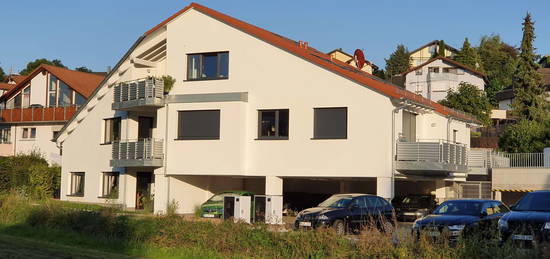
(529, 221)
(348, 212)
(457, 218)
(213, 207)
(413, 206)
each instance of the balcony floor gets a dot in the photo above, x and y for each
(428, 168)
(138, 105)
(137, 163)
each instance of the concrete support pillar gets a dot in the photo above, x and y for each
(498, 195)
(161, 198)
(273, 185)
(129, 189)
(343, 187)
(384, 187)
(440, 191)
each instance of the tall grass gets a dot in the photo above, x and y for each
(173, 236)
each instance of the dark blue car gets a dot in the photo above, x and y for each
(529, 221)
(456, 218)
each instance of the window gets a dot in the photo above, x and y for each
(418, 72)
(54, 134)
(204, 124)
(28, 133)
(433, 69)
(208, 66)
(449, 70)
(273, 124)
(359, 202)
(78, 99)
(52, 91)
(17, 101)
(110, 185)
(5, 135)
(77, 184)
(330, 123)
(27, 97)
(65, 96)
(112, 130)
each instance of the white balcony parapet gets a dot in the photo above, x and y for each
(142, 152)
(138, 94)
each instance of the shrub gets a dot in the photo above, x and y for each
(30, 175)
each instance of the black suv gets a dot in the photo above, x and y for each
(413, 206)
(529, 221)
(457, 218)
(348, 212)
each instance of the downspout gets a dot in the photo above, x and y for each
(393, 149)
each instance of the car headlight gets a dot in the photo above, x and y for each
(547, 225)
(322, 217)
(456, 227)
(503, 224)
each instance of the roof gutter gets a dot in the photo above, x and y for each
(126, 55)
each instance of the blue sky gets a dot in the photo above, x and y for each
(97, 33)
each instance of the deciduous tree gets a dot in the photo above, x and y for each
(468, 98)
(36, 63)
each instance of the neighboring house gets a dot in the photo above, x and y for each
(506, 96)
(428, 51)
(35, 109)
(4, 87)
(435, 77)
(339, 54)
(300, 123)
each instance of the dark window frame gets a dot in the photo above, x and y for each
(277, 124)
(74, 189)
(200, 66)
(179, 130)
(315, 134)
(111, 129)
(117, 185)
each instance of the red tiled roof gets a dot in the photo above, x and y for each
(83, 83)
(6, 86)
(320, 59)
(17, 78)
(452, 62)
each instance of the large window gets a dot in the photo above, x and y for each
(77, 184)
(330, 123)
(5, 135)
(79, 99)
(52, 91)
(110, 185)
(65, 96)
(208, 66)
(112, 130)
(273, 124)
(203, 124)
(27, 97)
(17, 101)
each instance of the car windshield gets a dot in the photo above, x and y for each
(219, 197)
(470, 208)
(535, 202)
(336, 202)
(415, 201)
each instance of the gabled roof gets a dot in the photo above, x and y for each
(447, 46)
(321, 59)
(83, 83)
(450, 61)
(15, 78)
(6, 86)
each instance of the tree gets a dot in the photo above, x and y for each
(468, 56)
(36, 63)
(399, 61)
(525, 136)
(379, 73)
(468, 98)
(530, 97)
(83, 69)
(2, 75)
(498, 61)
(441, 48)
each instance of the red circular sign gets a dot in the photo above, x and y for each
(359, 58)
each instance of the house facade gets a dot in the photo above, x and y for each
(426, 52)
(33, 110)
(434, 78)
(347, 58)
(300, 123)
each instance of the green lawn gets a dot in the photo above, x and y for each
(17, 247)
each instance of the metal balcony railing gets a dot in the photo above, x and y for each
(138, 93)
(439, 151)
(520, 160)
(142, 152)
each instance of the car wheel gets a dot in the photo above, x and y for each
(339, 226)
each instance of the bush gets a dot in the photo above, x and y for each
(29, 175)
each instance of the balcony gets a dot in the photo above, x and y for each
(431, 158)
(137, 153)
(49, 114)
(139, 95)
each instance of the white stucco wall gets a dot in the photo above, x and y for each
(41, 143)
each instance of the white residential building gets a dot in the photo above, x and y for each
(251, 110)
(35, 108)
(434, 78)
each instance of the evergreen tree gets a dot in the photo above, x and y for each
(36, 63)
(530, 98)
(441, 49)
(83, 69)
(2, 75)
(470, 99)
(468, 56)
(398, 62)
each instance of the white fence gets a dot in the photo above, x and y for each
(520, 160)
